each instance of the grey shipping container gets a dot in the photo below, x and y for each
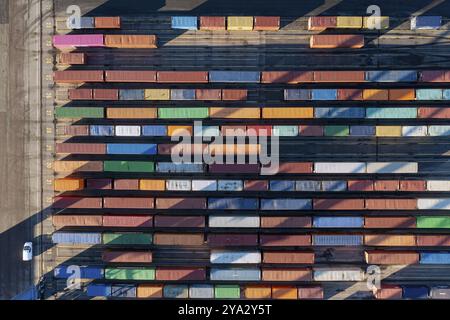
(440, 292)
(123, 291)
(338, 185)
(131, 94)
(235, 274)
(297, 94)
(362, 131)
(234, 76)
(337, 240)
(77, 237)
(282, 185)
(234, 222)
(168, 167)
(392, 76)
(201, 291)
(182, 94)
(176, 291)
(308, 185)
(286, 204)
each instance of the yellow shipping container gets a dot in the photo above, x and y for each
(157, 94)
(375, 94)
(389, 240)
(248, 149)
(152, 185)
(388, 131)
(240, 23)
(369, 22)
(235, 113)
(149, 291)
(178, 130)
(131, 113)
(258, 292)
(350, 22)
(288, 113)
(68, 184)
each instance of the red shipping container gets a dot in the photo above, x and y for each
(391, 204)
(338, 204)
(130, 76)
(360, 185)
(320, 23)
(234, 94)
(183, 274)
(389, 222)
(77, 203)
(295, 167)
(233, 130)
(234, 168)
(288, 257)
(80, 94)
(182, 77)
(413, 185)
(287, 274)
(76, 130)
(260, 130)
(389, 292)
(286, 222)
(104, 184)
(277, 240)
(71, 76)
(287, 76)
(224, 240)
(311, 131)
(107, 22)
(433, 240)
(106, 94)
(127, 256)
(434, 113)
(208, 94)
(310, 293)
(387, 185)
(256, 185)
(266, 23)
(339, 76)
(81, 148)
(333, 41)
(391, 257)
(126, 184)
(128, 203)
(212, 23)
(179, 239)
(72, 58)
(181, 203)
(435, 76)
(350, 94)
(179, 222)
(129, 221)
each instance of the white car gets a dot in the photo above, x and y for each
(27, 252)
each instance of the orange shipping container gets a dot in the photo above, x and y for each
(288, 257)
(234, 113)
(391, 257)
(339, 76)
(258, 292)
(389, 222)
(375, 94)
(402, 94)
(78, 76)
(391, 204)
(360, 185)
(288, 113)
(389, 240)
(179, 130)
(149, 291)
(287, 274)
(284, 292)
(389, 292)
(107, 22)
(413, 185)
(387, 185)
(131, 113)
(130, 41)
(286, 222)
(152, 185)
(72, 58)
(322, 41)
(287, 76)
(68, 184)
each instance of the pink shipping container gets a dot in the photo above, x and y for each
(79, 40)
(77, 203)
(128, 221)
(129, 203)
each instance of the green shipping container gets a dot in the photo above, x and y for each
(129, 166)
(433, 222)
(391, 113)
(127, 238)
(130, 274)
(76, 112)
(227, 292)
(285, 131)
(183, 113)
(337, 131)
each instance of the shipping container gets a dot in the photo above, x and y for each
(310, 293)
(235, 274)
(182, 77)
(181, 203)
(178, 185)
(352, 22)
(204, 185)
(434, 258)
(282, 185)
(123, 291)
(179, 131)
(402, 94)
(75, 58)
(127, 238)
(77, 203)
(80, 148)
(374, 22)
(212, 23)
(391, 204)
(391, 76)
(107, 22)
(179, 221)
(293, 77)
(184, 23)
(389, 222)
(433, 240)
(287, 113)
(414, 131)
(230, 185)
(438, 131)
(426, 22)
(275, 240)
(126, 184)
(127, 131)
(286, 204)
(177, 274)
(360, 185)
(233, 222)
(157, 94)
(68, 41)
(334, 186)
(349, 94)
(323, 41)
(61, 221)
(139, 76)
(320, 23)
(150, 291)
(140, 41)
(232, 257)
(234, 113)
(297, 94)
(99, 184)
(256, 185)
(345, 113)
(434, 222)
(234, 94)
(234, 76)
(433, 204)
(389, 240)
(438, 185)
(84, 238)
(128, 221)
(266, 23)
(337, 240)
(131, 113)
(324, 94)
(225, 240)
(335, 274)
(415, 292)
(98, 290)
(131, 148)
(128, 203)
(227, 292)
(285, 131)
(68, 184)
(311, 131)
(429, 94)
(434, 76)
(170, 167)
(232, 203)
(339, 76)
(338, 222)
(387, 185)
(129, 273)
(433, 113)
(284, 292)
(182, 94)
(86, 272)
(74, 130)
(131, 94)
(291, 167)
(79, 112)
(129, 166)
(412, 185)
(389, 292)
(80, 94)
(78, 166)
(338, 204)
(106, 94)
(154, 131)
(440, 292)
(339, 167)
(257, 292)
(286, 274)
(392, 167)
(239, 23)
(288, 257)
(201, 291)
(286, 222)
(101, 131)
(391, 257)
(176, 291)
(183, 113)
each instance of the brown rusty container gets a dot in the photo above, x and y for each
(380, 257)
(389, 222)
(180, 274)
(72, 58)
(295, 167)
(286, 274)
(277, 240)
(310, 293)
(387, 185)
(339, 76)
(338, 204)
(180, 222)
(433, 240)
(208, 94)
(107, 22)
(256, 185)
(212, 23)
(103, 184)
(288, 257)
(234, 94)
(138, 41)
(80, 94)
(360, 185)
(413, 185)
(311, 131)
(287, 76)
(181, 203)
(149, 291)
(234, 168)
(389, 292)
(182, 77)
(128, 203)
(106, 94)
(76, 130)
(80, 148)
(128, 221)
(391, 204)
(266, 23)
(320, 23)
(350, 94)
(390, 240)
(60, 221)
(126, 184)
(77, 203)
(223, 240)
(178, 239)
(284, 292)
(127, 256)
(80, 76)
(402, 94)
(333, 41)
(130, 76)
(434, 113)
(286, 222)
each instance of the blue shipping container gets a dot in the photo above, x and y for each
(363, 131)
(62, 272)
(415, 292)
(392, 76)
(232, 203)
(98, 290)
(131, 148)
(439, 130)
(77, 237)
(154, 131)
(338, 222)
(391, 113)
(446, 94)
(337, 240)
(308, 185)
(101, 131)
(297, 94)
(426, 22)
(123, 291)
(286, 204)
(340, 185)
(339, 112)
(185, 23)
(234, 76)
(282, 185)
(182, 94)
(324, 94)
(435, 258)
(131, 94)
(429, 94)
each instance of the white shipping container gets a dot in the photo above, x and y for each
(433, 204)
(230, 185)
(201, 291)
(438, 185)
(233, 222)
(178, 185)
(392, 167)
(339, 167)
(210, 131)
(204, 185)
(235, 274)
(235, 257)
(331, 274)
(128, 131)
(414, 131)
